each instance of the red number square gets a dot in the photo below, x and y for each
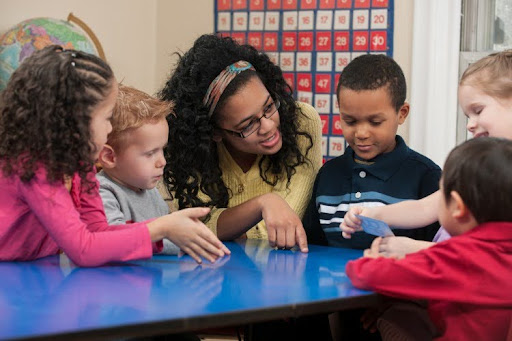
(344, 4)
(256, 5)
(270, 41)
(289, 41)
(254, 39)
(239, 37)
(273, 4)
(336, 82)
(305, 41)
(289, 78)
(304, 82)
(360, 41)
(223, 5)
(239, 4)
(361, 3)
(327, 4)
(341, 40)
(289, 4)
(323, 83)
(308, 4)
(325, 124)
(323, 41)
(380, 3)
(378, 41)
(336, 125)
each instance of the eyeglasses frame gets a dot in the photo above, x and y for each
(240, 134)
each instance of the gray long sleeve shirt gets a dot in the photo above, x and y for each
(123, 205)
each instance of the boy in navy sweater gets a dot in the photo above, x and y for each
(377, 168)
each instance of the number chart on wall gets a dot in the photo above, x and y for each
(312, 41)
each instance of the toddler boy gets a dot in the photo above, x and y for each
(133, 160)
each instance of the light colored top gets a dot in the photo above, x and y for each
(39, 218)
(123, 205)
(245, 186)
(441, 235)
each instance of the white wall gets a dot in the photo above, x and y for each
(435, 74)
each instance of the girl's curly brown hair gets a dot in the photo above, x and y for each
(45, 113)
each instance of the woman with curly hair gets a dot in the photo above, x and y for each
(240, 144)
(54, 119)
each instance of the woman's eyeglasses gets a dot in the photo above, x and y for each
(255, 123)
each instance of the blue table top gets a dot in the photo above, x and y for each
(51, 297)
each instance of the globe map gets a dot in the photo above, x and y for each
(30, 35)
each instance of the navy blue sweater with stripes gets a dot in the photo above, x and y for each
(402, 174)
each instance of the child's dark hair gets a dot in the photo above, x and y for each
(479, 170)
(45, 113)
(372, 72)
(193, 160)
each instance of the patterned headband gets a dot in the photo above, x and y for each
(219, 84)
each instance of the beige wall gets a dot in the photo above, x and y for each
(125, 28)
(179, 23)
(140, 36)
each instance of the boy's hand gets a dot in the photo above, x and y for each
(373, 251)
(184, 229)
(284, 227)
(351, 223)
(398, 247)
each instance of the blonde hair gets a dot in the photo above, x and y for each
(491, 74)
(133, 109)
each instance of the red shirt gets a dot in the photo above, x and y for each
(466, 279)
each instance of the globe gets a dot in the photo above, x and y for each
(22, 40)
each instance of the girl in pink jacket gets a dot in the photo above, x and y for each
(54, 119)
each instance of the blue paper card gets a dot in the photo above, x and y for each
(375, 227)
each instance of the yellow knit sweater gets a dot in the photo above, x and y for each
(245, 186)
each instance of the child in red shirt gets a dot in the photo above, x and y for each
(467, 280)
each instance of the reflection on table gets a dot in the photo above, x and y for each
(51, 297)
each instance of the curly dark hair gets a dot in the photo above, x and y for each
(45, 113)
(192, 154)
(372, 72)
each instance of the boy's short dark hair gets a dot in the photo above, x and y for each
(479, 170)
(372, 72)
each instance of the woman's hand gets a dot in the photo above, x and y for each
(284, 227)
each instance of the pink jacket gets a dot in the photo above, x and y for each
(38, 219)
